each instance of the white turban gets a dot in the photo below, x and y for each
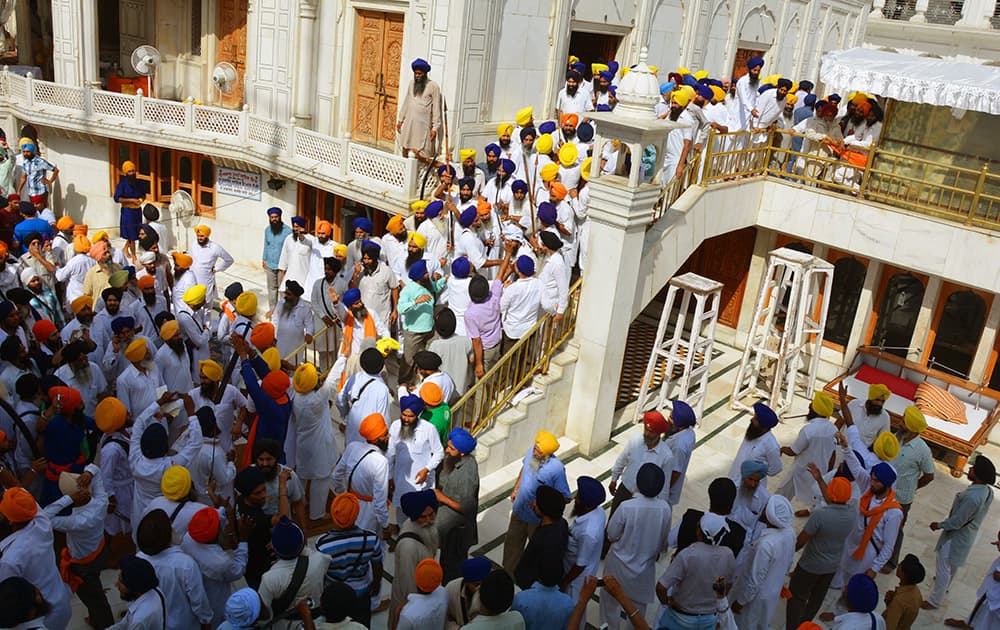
(147, 258)
(714, 527)
(27, 275)
(779, 511)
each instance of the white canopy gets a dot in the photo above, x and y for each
(914, 79)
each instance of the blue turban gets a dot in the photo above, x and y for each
(364, 224)
(493, 149)
(351, 297)
(753, 467)
(690, 80)
(717, 83)
(705, 92)
(613, 67)
(765, 416)
(607, 75)
(603, 108)
(527, 131)
(413, 504)
(476, 569)
(650, 480)
(585, 132)
(765, 88)
(809, 100)
(590, 492)
(243, 608)
(418, 270)
(372, 248)
(862, 593)
(446, 167)
(508, 166)
(119, 324)
(468, 216)
(834, 98)
(434, 208)
(462, 440)
(138, 574)
(667, 87)
(525, 265)
(755, 62)
(884, 473)
(287, 539)
(276, 211)
(705, 81)
(301, 222)
(460, 267)
(547, 213)
(412, 403)
(29, 146)
(420, 64)
(682, 414)
(519, 186)
(548, 126)
(578, 66)
(613, 90)
(785, 83)
(466, 181)
(131, 271)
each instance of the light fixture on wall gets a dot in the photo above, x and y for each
(275, 184)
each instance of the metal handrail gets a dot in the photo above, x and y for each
(479, 407)
(318, 354)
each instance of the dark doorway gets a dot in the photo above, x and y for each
(743, 55)
(593, 48)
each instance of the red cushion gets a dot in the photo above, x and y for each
(896, 385)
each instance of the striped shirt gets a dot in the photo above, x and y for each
(351, 553)
(34, 170)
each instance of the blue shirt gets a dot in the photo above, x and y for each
(543, 607)
(552, 473)
(34, 170)
(125, 189)
(26, 227)
(272, 245)
(798, 116)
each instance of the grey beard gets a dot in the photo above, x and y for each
(449, 462)
(407, 431)
(147, 364)
(536, 462)
(287, 308)
(82, 375)
(419, 85)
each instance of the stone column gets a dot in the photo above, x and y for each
(978, 373)
(619, 214)
(977, 13)
(305, 70)
(922, 329)
(90, 46)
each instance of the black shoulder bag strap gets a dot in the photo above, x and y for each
(411, 536)
(177, 510)
(163, 606)
(361, 391)
(350, 477)
(280, 605)
(23, 428)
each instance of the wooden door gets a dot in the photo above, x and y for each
(134, 18)
(377, 55)
(726, 259)
(232, 47)
(740, 63)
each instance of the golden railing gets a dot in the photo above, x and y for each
(482, 403)
(321, 352)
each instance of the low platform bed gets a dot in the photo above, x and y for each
(901, 377)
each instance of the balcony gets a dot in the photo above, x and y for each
(354, 170)
(937, 28)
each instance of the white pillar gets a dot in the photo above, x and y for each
(304, 68)
(920, 14)
(978, 373)
(977, 13)
(619, 215)
(925, 318)
(90, 45)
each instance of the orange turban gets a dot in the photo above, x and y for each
(395, 224)
(428, 575)
(373, 427)
(182, 260)
(64, 223)
(204, 525)
(324, 228)
(431, 393)
(80, 229)
(838, 490)
(262, 335)
(344, 510)
(146, 282)
(483, 208)
(71, 398)
(570, 119)
(275, 385)
(557, 191)
(18, 506)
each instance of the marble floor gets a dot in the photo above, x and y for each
(719, 435)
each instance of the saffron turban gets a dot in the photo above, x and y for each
(431, 394)
(275, 385)
(372, 427)
(428, 575)
(110, 415)
(344, 510)
(211, 369)
(262, 335)
(137, 350)
(204, 525)
(546, 443)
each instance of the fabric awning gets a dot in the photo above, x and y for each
(914, 79)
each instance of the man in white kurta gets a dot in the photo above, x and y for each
(231, 404)
(869, 415)
(292, 319)
(363, 394)
(770, 557)
(363, 470)
(746, 93)
(586, 535)
(316, 451)
(814, 445)
(209, 259)
(759, 443)
(191, 315)
(74, 271)
(414, 453)
(297, 251)
(219, 568)
(138, 384)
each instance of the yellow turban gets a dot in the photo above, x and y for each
(595, 68)
(417, 205)
(110, 414)
(81, 244)
(681, 96)
(202, 230)
(463, 155)
(65, 223)
(246, 304)
(718, 94)
(305, 378)
(127, 166)
(681, 70)
(395, 224)
(340, 250)
(195, 295)
(546, 442)
(272, 358)
(137, 350)
(568, 153)
(701, 74)
(549, 172)
(771, 80)
(26, 140)
(169, 330)
(505, 129)
(211, 370)
(914, 420)
(544, 143)
(822, 404)
(878, 391)
(585, 169)
(175, 483)
(524, 115)
(182, 260)
(100, 235)
(654, 69)
(386, 345)
(572, 59)
(791, 99)
(886, 446)
(80, 303)
(418, 239)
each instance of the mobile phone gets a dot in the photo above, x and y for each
(600, 583)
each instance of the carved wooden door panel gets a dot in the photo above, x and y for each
(726, 259)
(379, 47)
(233, 45)
(743, 55)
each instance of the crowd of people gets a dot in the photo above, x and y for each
(154, 428)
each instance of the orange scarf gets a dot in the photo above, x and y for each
(227, 310)
(66, 561)
(873, 515)
(369, 327)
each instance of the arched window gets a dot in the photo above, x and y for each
(897, 313)
(956, 336)
(845, 293)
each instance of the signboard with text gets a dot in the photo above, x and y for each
(237, 183)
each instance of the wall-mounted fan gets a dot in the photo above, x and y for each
(224, 77)
(145, 61)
